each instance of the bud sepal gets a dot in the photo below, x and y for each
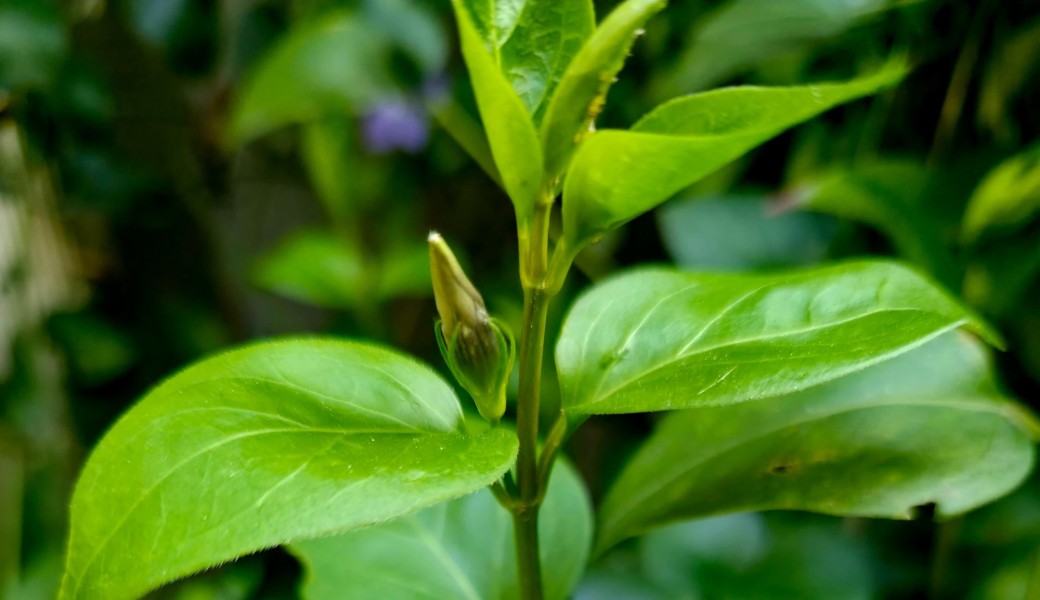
(481, 366)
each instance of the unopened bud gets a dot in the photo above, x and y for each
(479, 350)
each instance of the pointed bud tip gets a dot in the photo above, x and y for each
(434, 237)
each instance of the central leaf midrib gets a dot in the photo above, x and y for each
(749, 340)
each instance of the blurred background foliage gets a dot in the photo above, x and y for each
(180, 175)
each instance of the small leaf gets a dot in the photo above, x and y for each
(618, 175)
(332, 65)
(583, 89)
(926, 427)
(510, 129)
(531, 41)
(658, 339)
(315, 267)
(461, 549)
(264, 445)
(1008, 196)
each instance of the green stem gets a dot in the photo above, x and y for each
(526, 525)
(532, 342)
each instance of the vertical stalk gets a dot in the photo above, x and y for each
(532, 342)
(534, 250)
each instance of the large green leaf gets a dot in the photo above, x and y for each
(926, 427)
(332, 65)
(583, 89)
(261, 446)
(1008, 196)
(461, 549)
(929, 426)
(510, 129)
(659, 339)
(618, 175)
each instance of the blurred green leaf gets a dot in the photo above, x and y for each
(583, 89)
(659, 339)
(461, 549)
(891, 196)
(926, 427)
(1006, 198)
(509, 127)
(412, 26)
(1010, 73)
(329, 155)
(405, 271)
(264, 445)
(32, 44)
(741, 34)
(618, 175)
(333, 65)
(741, 232)
(316, 267)
(740, 557)
(95, 349)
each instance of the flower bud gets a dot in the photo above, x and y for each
(479, 350)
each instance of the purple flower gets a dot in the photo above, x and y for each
(395, 124)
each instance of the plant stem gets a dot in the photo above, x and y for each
(532, 342)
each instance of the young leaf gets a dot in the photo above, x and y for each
(329, 66)
(618, 175)
(583, 89)
(659, 339)
(461, 549)
(510, 130)
(926, 427)
(530, 41)
(271, 443)
(1006, 198)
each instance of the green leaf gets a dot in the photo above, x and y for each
(510, 129)
(926, 427)
(461, 549)
(316, 267)
(331, 65)
(1008, 196)
(530, 41)
(583, 89)
(329, 155)
(751, 556)
(265, 445)
(659, 339)
(741, 232)
(618, 175)
(744, 33)
(892, 196)
(32, 45)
